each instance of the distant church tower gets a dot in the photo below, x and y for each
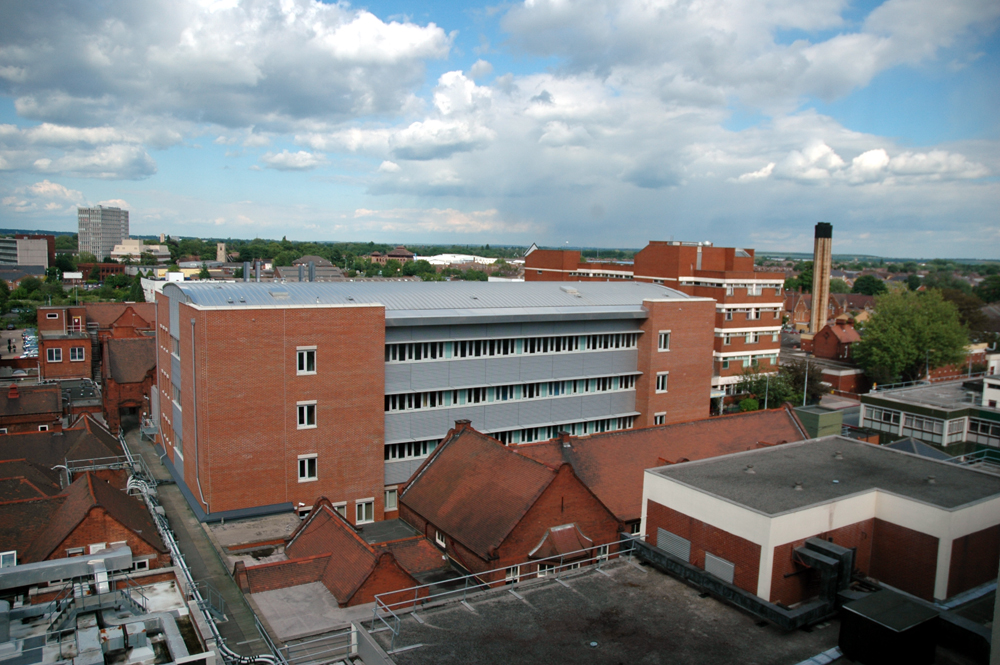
(822, 256)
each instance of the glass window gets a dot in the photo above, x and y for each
(664, 342)
(306, 361)
(661, 382)
(76, 353)
(364, 511)
(54, 355)
(390, 500)
(307, 468)
(307, 414)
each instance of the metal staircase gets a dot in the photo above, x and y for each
(79, 598)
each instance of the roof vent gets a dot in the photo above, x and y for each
(749, 469)
(229, 300)
(931, 480)
(798, 486)
(838, 455)
(570, 290)
(279, 295)
(351, 298)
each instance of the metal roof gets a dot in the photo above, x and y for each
(439, 302)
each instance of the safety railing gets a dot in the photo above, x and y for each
(389, 605)
(325, 648)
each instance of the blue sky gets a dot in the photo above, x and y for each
(594, 122)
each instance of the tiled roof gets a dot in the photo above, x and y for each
(562, 540)
(129, 359)
(106, 313)
(88, 492)
(846, 334)
(475, 489)
(612, 465)
(21, 479)
(30, 400)
(317, 260)
(418, 555)
(86, 442)
(22, 521)
(325, 532)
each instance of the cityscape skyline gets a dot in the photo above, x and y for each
(598, 124)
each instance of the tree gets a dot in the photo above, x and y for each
(908, 332)
(65, 263)
(989, 289)
(870, 285)
(203, 273)
(970, 313)
(804, 279)
(147, 259)
(749, 404)
(86, 257)
(839, 286)
(801, 374)
(913, 282)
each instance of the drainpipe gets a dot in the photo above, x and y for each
(194, 401)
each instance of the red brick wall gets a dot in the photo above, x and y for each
(121, 395)
(974, 560)
(387, 576)
(247, 389)
(904, 558)
(280, 574)
(805, 584)
(99, 527)
(65, 369)
(548, 260)
(744, 555)
(689, 362)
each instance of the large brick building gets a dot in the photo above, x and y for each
(343, 389)
(928, 527)
(748, 309)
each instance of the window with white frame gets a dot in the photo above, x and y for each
(308, 470)
(661, 381)
(602, 552)
(341, 509)
(43, 428)
(175, 347)
(8, 559)
(76, 354)
(391, 499)
(634, 529)
(53, 355)
(513, 575)
(439, 538)
(725, 364)
(140, 564)
(659, 418)
(51, 315)
(545, 569)
(664, 341)
(364, 511)
(307, 414)
(304, 511)
(305, 359)
(96, 547)
(729, 315)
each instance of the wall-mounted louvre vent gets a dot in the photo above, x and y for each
(673, 544)
(719, 567)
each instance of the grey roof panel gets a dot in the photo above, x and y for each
(861, 467)
(413, 300)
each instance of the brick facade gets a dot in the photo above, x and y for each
(100, 527)
(743, 554)
(974, 560)
(904, 558)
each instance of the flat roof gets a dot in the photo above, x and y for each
(947, 395)
(826, 476)
(437, 302)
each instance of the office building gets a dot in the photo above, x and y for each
(275, 394)
(100, 229)
(24, 251)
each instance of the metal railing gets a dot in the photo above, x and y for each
(385, 612)
(985, 456)
(325, 648)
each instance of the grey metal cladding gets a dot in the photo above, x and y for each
(536, 368)
(467, 372)
(476, 414)
(432, 424)
(175, 317)
(596, 406)
(625, 360)
(177, 421)
(568, 364)
(428, 333)
(622, 402)
(175, 370)
(598, 363)
(397, 426)
(397, 378)
(566, 409)
(469, 332)
(430, 375)
(501, 416)
(504, 330)
(533, 412)
(500, 371)
(399, 471)
(401, 334)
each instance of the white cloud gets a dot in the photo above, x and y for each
(44, 195)
(388, 167)
(439, 220)
(293, 161)
(480, 69)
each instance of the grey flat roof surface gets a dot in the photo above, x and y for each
(401, 297)
(863, 467)
(949, 395)
(386, 530)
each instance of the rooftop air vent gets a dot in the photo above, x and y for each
(279, 295)
(749, 469)
(798, 486)
(570, 290)
(838, 455)
(931, 480)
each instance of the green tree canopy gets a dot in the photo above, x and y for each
(908, 332)
(203, 273)
(86, 257)
(913, 282)
(989, 289)
(870, 285)
(839, 286)
(135, 292)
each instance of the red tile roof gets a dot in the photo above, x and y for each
(21, 479)
(86, 441)
(18, 400)
(475, 489)
(86, 493)
(22, 521)
(845, 333)
(612, 465)
(418, 555)
(106, 313)
(129, 359)
(560, 541)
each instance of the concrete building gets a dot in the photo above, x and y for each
(927, 527)
(940, 413)
(100, 229)
(132, 249)
(25, 251)
(822, 264)
(343, 389)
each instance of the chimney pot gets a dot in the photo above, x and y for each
(462, 425)
(13, 393)
(564, 439)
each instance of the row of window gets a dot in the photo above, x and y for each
(920, 424)
(433, 399)
(395, 452)
(601, 275)
(751, 313)
(749, 338)
(76, 354)
(531, 434)
(882, 415)
(364, 509)
(983, 427)
(749, 361)
(419, 351)
(514, 574)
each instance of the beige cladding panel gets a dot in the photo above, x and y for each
(822, 257)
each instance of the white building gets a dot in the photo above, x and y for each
(100, 229)
(133, 248)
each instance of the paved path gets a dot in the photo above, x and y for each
(239, 631)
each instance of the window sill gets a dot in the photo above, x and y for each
(297, 373)
(306, 427)
(308, 480)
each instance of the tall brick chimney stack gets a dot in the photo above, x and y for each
(822, 258)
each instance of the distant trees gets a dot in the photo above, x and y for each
(804, 279)
(869, 285)
(839, 286)
(784, 386)
(86, 257)
(909, 332)
(989, 289)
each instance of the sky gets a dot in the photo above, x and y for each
(597, 123)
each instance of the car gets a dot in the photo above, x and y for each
(10, 326)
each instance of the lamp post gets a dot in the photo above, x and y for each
(805, 385)
(767, 385)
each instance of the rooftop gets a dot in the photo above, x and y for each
(405, 300)
(946, 395)
(829, 469)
